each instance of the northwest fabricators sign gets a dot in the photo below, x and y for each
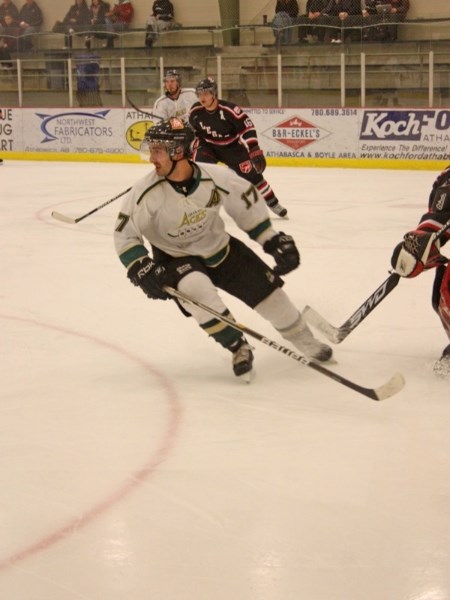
(391, 138)
(73, 131)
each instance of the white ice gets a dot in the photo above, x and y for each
(135, 466)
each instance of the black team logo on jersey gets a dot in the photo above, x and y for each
(214, 200)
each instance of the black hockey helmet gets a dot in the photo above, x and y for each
(173, 74)
(173, 134)
(207, 85)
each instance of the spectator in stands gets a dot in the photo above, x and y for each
(10, 10)
(6, 62)
(9, 32)
(308, 27)
(118, 19)
(381, 19)
(88, 82)
(161, 19)
(30, 21)
(76, 19)
(343, 18)
(286, 13)
(97, 20)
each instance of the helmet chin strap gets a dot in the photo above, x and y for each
(174, 164)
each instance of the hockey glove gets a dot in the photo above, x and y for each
(283, 249)
(416, 253)
(258, 161)
(150, 277)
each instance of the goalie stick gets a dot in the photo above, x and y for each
(60, 217)
(388, 389)
(337, 334)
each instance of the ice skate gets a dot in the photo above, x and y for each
(441, 367)
(301, 336)
(243, 361)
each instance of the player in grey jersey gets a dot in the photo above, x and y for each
(176, 100)
(175, 209)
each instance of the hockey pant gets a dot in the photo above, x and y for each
(243, 275)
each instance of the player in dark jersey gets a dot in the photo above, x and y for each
(417, 252)
(225, 133)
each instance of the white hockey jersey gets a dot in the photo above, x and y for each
(166, 108)
(189, 224)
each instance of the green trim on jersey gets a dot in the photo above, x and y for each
(149, 189)
(133, 254)
(256, 231)
(217, 258)
(217, 187)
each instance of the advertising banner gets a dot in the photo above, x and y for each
(10, 130)
(316, 133)
(416, 135)
(384, 138)
(79, 131)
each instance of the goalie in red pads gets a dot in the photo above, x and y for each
(418, 252)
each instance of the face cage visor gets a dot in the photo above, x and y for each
(147, 145)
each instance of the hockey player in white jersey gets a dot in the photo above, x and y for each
(176, 100)
(175, 211)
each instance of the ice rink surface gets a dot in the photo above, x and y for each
(135, 466)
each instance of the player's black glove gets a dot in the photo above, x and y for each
(150, 277)
(282, 247)
(256, 155)
(416, 253)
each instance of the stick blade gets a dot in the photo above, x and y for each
(64, 218)
(395, 384)
(333, 334)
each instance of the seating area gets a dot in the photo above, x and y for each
(255, 73)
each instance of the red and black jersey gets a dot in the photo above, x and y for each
(438, 206)
(226, 125)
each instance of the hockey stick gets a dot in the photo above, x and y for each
(60, 217)
(391, 387)
(139, 110)
(338, 334)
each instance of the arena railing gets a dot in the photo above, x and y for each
(411, 72)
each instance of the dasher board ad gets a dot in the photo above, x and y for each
(387, 138)
(337, 133)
